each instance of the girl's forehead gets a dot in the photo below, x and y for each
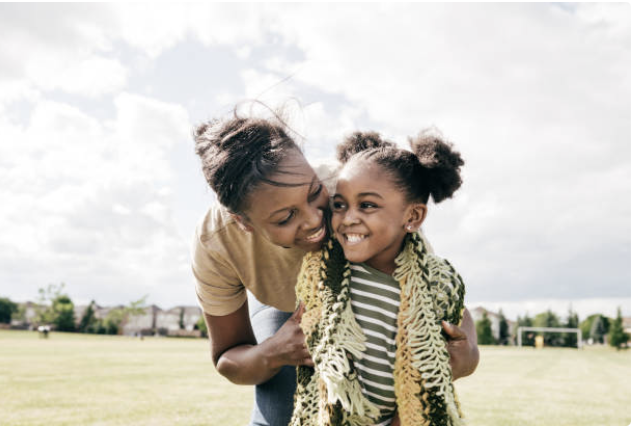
(360, 168)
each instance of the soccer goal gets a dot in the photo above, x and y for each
(550, 330)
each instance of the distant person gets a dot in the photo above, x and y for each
(271, 211)
(375, 296)
(43, 331)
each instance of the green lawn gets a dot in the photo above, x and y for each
(72, 379)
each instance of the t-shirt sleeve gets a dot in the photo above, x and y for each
(219, 289)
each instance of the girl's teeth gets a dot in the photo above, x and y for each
(355, 238)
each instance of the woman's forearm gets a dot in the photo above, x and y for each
(248, 364)
(239, 358)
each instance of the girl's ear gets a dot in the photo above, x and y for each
(242, 221)
(415, 217)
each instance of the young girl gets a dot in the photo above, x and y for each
(375, 295)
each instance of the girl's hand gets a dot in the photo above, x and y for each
(462, 346)
(396, 421)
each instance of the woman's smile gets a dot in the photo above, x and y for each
(317, 236)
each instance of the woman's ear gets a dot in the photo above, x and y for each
(242, 221)
(415, 217)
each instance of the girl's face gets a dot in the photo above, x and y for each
(290, 216)
(370, 215)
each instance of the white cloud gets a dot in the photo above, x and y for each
(90, 203)
(57, 47)
(149, 28)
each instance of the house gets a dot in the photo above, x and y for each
(28, 320)
(177, 321)
(626, 324)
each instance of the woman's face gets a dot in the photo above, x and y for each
(290, 216)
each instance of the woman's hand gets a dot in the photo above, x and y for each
(462, 346)
(287, 346)
(238, 357)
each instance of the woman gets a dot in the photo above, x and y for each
(271, 211)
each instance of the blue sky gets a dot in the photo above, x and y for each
(101, 188)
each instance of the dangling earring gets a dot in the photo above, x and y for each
(409, 227)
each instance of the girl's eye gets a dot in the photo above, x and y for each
(316, 193)
(338, 205)
(368, 205)
(287, 219)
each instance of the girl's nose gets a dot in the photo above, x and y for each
(350, 218)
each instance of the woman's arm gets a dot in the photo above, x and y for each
(237, 356)
(462, 346)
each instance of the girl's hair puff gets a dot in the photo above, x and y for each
(433, 168)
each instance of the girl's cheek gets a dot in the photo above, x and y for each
(335, 221)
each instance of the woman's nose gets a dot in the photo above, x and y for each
(314, 219)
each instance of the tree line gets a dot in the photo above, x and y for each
(54, 307)
(596, 327)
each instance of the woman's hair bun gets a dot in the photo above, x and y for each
(440, 161)
(357, 142)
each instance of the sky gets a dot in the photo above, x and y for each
(101, 189)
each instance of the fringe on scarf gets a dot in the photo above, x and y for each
(331, 393)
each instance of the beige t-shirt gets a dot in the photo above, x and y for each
(226, 261)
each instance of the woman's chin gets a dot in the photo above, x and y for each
(311, 247)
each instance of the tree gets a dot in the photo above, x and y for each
(503, 329)
(528, 338)
(63, 313)
(181, 318)
(201, 326)
(44, 313)
(586, 325)
(484, 331)
(572, 321)
(599, 328)
(616, 335)
(549, 319)
(117, 318)
(88, 323)
(7, 309)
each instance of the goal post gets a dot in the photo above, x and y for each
(550, 330)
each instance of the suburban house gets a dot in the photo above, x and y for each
(177, 321)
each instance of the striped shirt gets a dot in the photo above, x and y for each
(375, 304)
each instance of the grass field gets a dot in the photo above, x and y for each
(72, 379)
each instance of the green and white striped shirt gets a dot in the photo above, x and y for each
(375, 298)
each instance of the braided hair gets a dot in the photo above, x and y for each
(432, 168)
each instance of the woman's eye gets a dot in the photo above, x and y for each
(316, 193)
(368, 205)
(287, 219)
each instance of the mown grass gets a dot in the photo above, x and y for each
(551, 386)
(72, 379)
